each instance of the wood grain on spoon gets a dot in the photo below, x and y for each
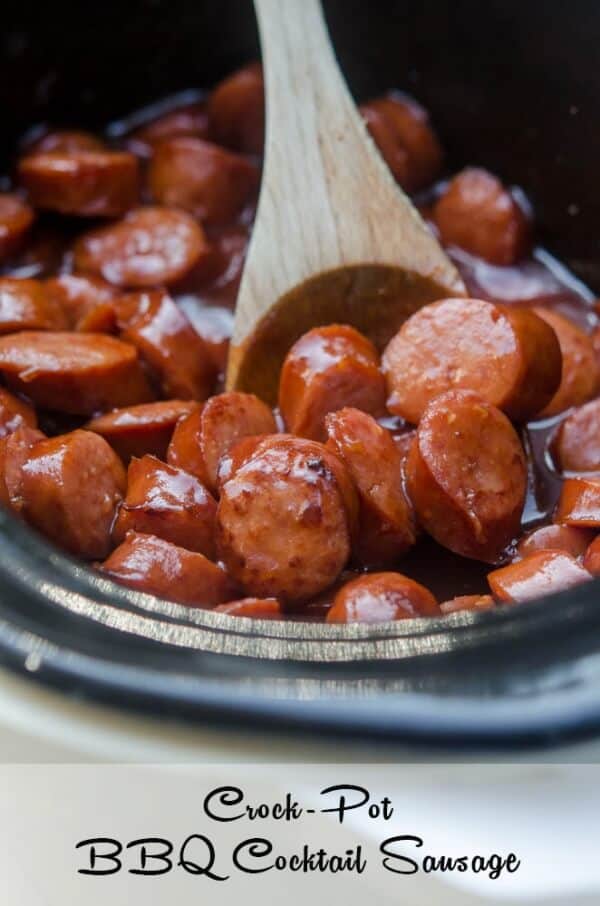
(335, 239)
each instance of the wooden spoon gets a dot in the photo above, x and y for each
(335, 239)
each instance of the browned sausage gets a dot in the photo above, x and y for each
(326, 369)
(156, 566)
(200, 440)
(215, 326)
(576, 445)
(14, 412)
(591, 559)
(467, 602)
(467, 476)
(541, 573)
(381, 597)
(282, 521)
(374, 462)
(478, 214)
(85, 300)
(401, 129)
(81, 183)
(149, 247)
(565, 538)
(255, 608)
(138, 430)
(191, 119)
(236, 110)
(211, 183)
(80, 373)
(16, 217)
(14, 451)
(580, 371)
(579, 503)
(236, 456)
(169, 503)
(168, 343)
(508, 356)
(67, 141)
(70, 488)
(25, 305)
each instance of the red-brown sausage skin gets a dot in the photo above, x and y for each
(374, 462)
(576, 444)
(507, 355)
(143, 429)
(236, 456)
(567, 538)
(16, 219)
(70, 488)
(255, 608)
(591, 559)
(14, 413)
(380, 597)
(282, 520)
(541, 573)
(475, 603)
(14, 451)
(156, 566)
(87, 302)
(467, 476)
(203, 438)
(168, 503)
(26, 305)
(326, 369)
(579, 503)
(191, 119)
(236, 110)
(580, 372)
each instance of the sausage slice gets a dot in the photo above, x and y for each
(14, 451)
(326, 369)
(70, 488)
(467, 476)
(14, 412)
(86, 301)
(156, 566)
(579, 503)
(591, 559)
(25, 305)
(567, 538)
(381, 597)
(16, 218)
(541, 573)
(138, 430)
(73, 372)
(236, 110)
(168, 503)
(576, 445)
(255, 608)
(467, 602)
(508, 356)
(190, 119)
(580, 372)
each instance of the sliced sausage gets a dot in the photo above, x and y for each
(236, 110)
(149, 247)
(14, 451)
(204, 437)
(214, 324)
(326, 369)
(567, 538)
(576, 445)
(168, 503)
(580, 370)
(508, 356)
(70, 488)
(382, 597)
(86, 301)
(236, 456)
(138, 430)
(401, 129)
(67, 141)
(211, 183)
(14, 412)
(25, 305)
(16, 218)
(79, 373)
(190, 119)
(591, 559)
(81, 183)
(374, 462)
(168, 343)
(156, 566)
(541, 573)
(478, 214)
(467, 476)
(467, 602)
(255, 608)
(579, 503)
(282, 521)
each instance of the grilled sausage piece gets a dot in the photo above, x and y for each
(211, 183)
(204, 437)
(386, 519)
(567, 538)
(579, 503)
(26, 305)
(237, 455)
(88, 302)
(191, 119)
(478, 214)
(70, 488)
(467, 602)
(401, 129)
(236, 110)
(282, 520)
(149, 247)
(16, 218)
(156, 566)
(591, 559)
(167, 342)
(79, 373)
(14, 412)
(255, 608)
(138, 430)
(508, 356)
(541, 573)
(169, 503)
(580, 371)
(81, 183)
(576, 445)
(14, 451)
(467, 476)
(326, 369)
(381, 597)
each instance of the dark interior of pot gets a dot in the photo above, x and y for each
(510, 86)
